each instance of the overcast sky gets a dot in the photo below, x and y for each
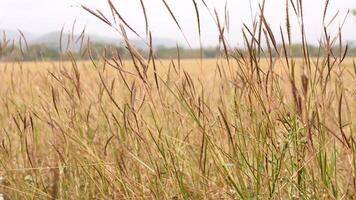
(41, 16)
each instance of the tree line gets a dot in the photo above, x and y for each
(98, 50)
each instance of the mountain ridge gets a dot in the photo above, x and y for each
(52, 39)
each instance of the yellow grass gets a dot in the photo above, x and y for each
(206, 133)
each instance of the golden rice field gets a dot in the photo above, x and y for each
(189, 129)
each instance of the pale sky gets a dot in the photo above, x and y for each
(42, 16)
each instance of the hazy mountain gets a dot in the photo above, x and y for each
(15, 35)
(52, 40)
(157, 42)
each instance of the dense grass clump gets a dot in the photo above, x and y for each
(251, 124)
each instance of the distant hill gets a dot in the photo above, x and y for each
(15, 35)
(157, 42)
(52, 40)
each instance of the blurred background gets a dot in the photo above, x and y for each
(41, 22)
(40, 17)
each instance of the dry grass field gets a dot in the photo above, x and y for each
(254, 123)
(205, 130)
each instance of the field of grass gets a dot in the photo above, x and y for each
(210, 130)
(256, 123)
